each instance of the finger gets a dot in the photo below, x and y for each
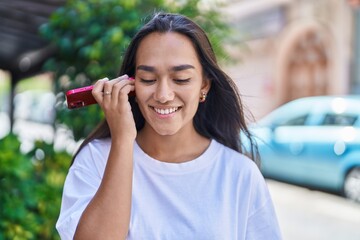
(118, 79)
(97, 91)
(122, 77)
(108, 91)
(118, 84)
(108, 86)
(112, 89)
(118, 87)
(126, 90)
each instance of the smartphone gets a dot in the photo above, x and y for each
(81, 97)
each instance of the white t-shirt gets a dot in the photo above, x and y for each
(219, 195)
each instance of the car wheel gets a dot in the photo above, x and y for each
(352, 185)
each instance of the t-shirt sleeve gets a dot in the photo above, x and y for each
(80, 186)
(262, 223)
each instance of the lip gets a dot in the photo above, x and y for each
(165, 112)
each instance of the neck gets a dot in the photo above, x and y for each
(181, 147)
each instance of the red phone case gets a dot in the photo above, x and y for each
(80, 97)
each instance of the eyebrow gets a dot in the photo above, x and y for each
(175, 68)
(182, 67)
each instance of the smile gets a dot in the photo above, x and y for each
(165, 111)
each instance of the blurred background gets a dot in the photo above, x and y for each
(277, 51)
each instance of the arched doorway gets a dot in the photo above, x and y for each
(303, 65)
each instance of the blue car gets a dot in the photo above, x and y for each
(313, 142)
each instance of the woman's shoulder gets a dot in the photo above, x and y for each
(243, 172)
(231, 154)
(100, 143)
(94, 153)
(96, 146)
(235, 160)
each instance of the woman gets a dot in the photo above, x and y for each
(168, 163)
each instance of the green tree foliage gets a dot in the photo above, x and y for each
(91, 37)
(31, 187)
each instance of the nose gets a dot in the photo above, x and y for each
(163, 92)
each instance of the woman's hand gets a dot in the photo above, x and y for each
(113, 98)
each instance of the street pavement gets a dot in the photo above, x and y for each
(305, 214)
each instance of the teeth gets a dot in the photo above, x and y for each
(165, 111)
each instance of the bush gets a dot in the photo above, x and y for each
(31, 188)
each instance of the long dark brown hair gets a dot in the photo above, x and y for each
(221, 116)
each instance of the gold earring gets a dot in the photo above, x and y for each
(203, 97)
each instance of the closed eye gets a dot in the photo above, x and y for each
(147, 81)
(182, 81)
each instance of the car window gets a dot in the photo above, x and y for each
(339, 119)
(296, 121)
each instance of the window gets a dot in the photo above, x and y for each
(297, 121)
(339, 119)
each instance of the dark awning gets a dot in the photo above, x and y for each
(22, 50)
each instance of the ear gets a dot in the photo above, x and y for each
(206, 85)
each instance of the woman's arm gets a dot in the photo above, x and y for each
(107, 216)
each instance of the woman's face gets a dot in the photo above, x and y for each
(169, 82)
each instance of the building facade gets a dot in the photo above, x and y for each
(289, 49)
